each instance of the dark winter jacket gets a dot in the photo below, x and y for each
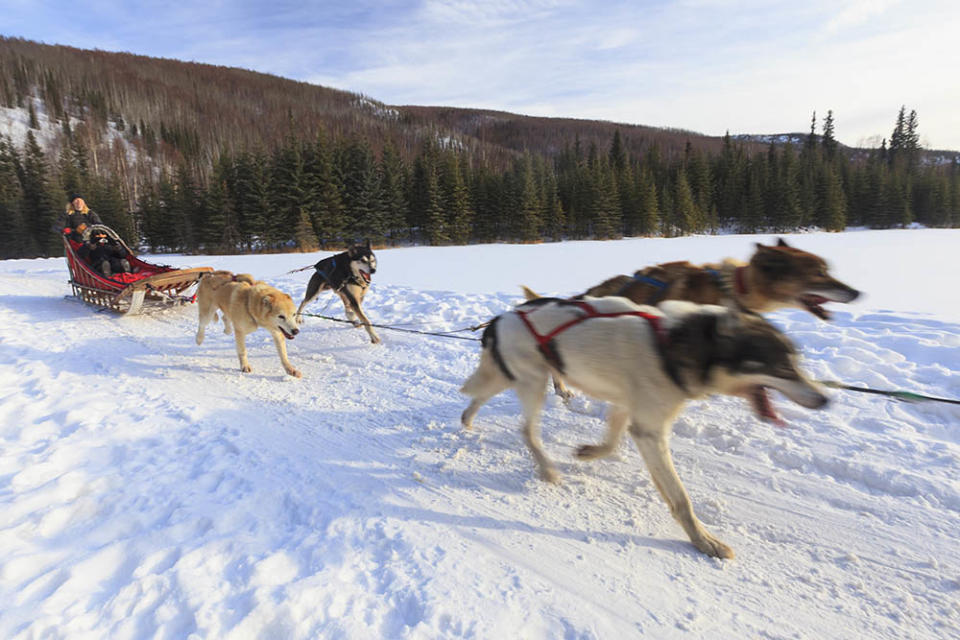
(97, 254)
(72, 221)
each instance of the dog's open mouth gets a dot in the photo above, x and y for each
(760, 400)
(365, 276)
(286, 334)
(812, 303)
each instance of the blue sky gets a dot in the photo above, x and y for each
(747, 66)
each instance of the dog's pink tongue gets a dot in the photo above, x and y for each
(764, 408)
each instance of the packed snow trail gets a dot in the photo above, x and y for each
(149, 489)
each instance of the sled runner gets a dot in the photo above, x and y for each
(148, 287)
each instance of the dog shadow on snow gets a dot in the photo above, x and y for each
(371, 460)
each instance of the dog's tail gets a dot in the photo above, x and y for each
(492, 366)
(529, 294)
(245, 278)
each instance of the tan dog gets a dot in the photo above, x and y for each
(646, 362)
(247, 305)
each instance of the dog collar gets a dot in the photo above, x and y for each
(739, 280)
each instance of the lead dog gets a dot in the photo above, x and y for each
(646, 363)
(776, 277)
(348, 274)
(247, 305)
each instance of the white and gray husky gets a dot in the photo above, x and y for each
(646, 362)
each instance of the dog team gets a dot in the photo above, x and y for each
(644, 343)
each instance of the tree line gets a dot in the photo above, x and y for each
(326, 192)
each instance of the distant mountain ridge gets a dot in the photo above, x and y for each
(201, 109)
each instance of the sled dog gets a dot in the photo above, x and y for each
(348, 274)
(777, 277)
(646, 362)
(247, 305)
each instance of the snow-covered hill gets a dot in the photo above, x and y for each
(148, 489)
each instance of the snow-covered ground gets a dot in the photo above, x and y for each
(148, 489)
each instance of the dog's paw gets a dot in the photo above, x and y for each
(712, 547)
(199, 338)
(294, 372)
(246, 368)
(549, 474)
(591, 451)
(375, 340)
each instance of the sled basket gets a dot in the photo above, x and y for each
(150, 286)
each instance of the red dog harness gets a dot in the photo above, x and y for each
(545, 342)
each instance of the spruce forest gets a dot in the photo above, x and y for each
(195, 158)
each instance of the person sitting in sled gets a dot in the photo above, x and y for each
(104, 254)
(77, 217)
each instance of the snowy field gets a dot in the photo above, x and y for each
(149, 490)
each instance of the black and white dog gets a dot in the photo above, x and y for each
(647, 363)
(348, 274)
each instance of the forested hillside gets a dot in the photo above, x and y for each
(190, 157)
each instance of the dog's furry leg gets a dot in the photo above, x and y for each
(374, 338)
(241, 340)
(206, 312)
(486, 382)
(617, 421)
(313, 289)
(531, 392)
(561, 390)
(227, 325)
(655, 450)
(278, 340)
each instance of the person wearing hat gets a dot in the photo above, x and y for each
(104, 254)
(77, 217)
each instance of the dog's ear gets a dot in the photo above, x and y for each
(352, 251)
(772, 263)
(699, 342)
(782, 243)
(267, 300)
(368, 244)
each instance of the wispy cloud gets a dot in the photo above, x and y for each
(705, 65)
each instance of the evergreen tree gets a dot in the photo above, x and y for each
(181, 211)
(304, 236)
(834, 213)
(287, 194)
(754, 218)
(898, 137)
(527, 218)
(393, 181)
(685, 214)
(107, 200)
(365, 212)
(456, 199)
(828, 140)
(329, 217)
(32, 115)
(649, 212)
(604, 207)
(40, 206)
(435, 223)
(554, 219)
(16, 241)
